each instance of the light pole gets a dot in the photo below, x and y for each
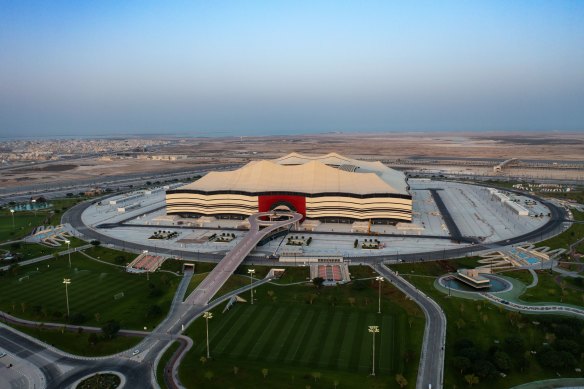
(67, 281)
(373, 330)
(379, 281)
(69, 250)
(251, 273)
(12, 212)
(207, 316)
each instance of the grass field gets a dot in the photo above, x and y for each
(97, 291)
(547, 289)
(482, 322)
(328, 336)
(78, 343)
(115, 257)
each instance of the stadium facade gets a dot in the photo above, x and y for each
(330, 188)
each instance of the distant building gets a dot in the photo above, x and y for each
(329, 188)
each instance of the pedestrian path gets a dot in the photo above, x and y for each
(542, 308)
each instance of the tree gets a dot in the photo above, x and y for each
(502, 360)
(110, 329)
(316, 375)
(235, 370)
(359, 285)
(484, 369)
(471, 379)
(95, 242)
(209, 375)
(401, 380)
(265, 372)
(93, 339)
(460, 323)
(312, 297)
(77, 318)
(318, 281)
(461, 363)
(203, 360)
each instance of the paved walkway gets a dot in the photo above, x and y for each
(568, 383)
(21, 375)
(544, 308)
(48, 256)
(535, 279)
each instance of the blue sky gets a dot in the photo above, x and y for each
(253, 67)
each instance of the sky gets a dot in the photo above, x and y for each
(289, 67)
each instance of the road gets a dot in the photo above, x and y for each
(55, 190)
(60, 369)
(431, 368)
(217, 277)
(552, 227)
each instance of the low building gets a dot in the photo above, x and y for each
(473, 278)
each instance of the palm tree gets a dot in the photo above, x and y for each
(316, 375)
(401, 380)
(209, 375)
(471, 379)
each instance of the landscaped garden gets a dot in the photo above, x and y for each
(488, 346)
(100, 381)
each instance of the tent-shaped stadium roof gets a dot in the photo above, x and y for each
(310, 175)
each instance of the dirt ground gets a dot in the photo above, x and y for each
(387, 146)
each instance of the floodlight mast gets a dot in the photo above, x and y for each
(67, 281)
(251, 272)
(373, 330)
(379, 281)
(207, 316)
(69, 250)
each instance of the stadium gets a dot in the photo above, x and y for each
(330, 188)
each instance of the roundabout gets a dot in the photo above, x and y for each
(102, 380)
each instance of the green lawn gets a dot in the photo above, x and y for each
(291, 337)
(487, 326)
(115, 257)
(547, 289)
(97, 291)
(78, 343)
(24, 222)
(571, 235)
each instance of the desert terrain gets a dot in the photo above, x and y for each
(454, 152)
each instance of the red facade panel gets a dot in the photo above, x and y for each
(265, 203)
